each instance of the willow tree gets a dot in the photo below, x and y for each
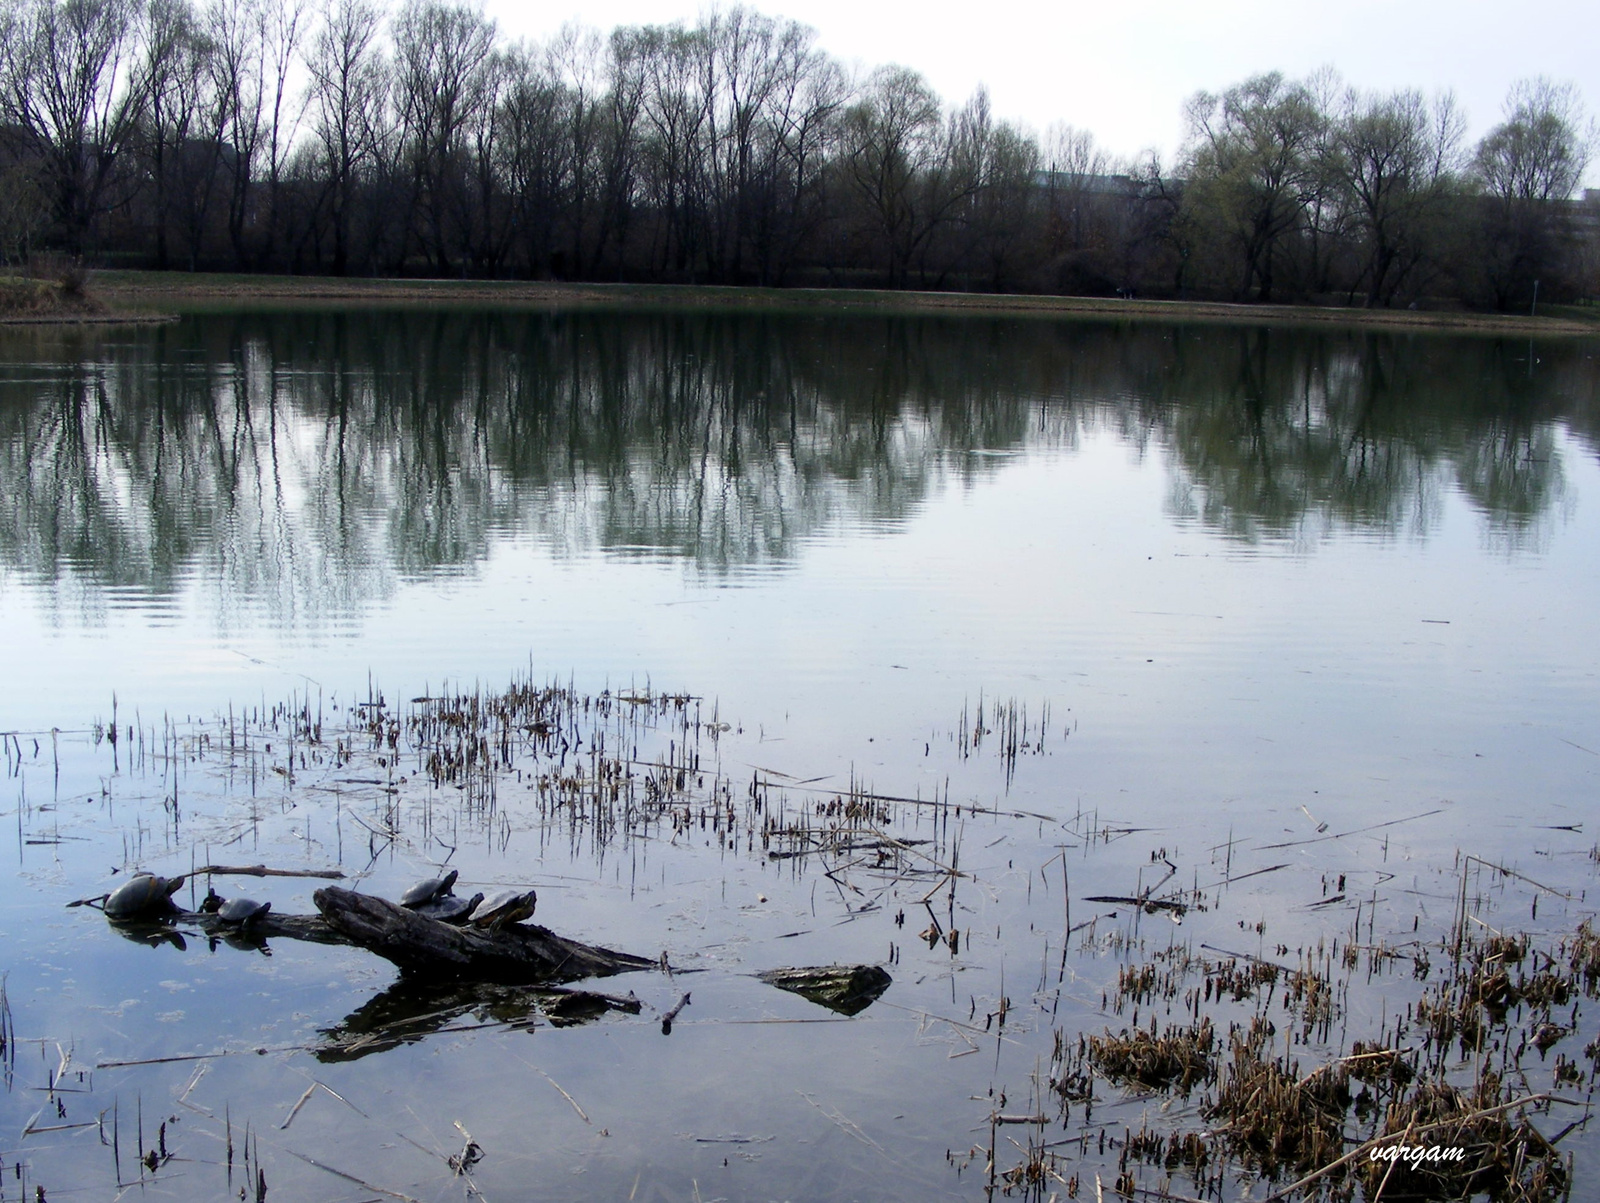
(1252, 168)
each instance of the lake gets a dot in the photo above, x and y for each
(1014, 657)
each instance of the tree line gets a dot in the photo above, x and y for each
(263, 135)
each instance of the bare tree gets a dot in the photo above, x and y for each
(1528, 166)
(283, 26)
(621, 152)
(442, 72)
(237, 32)
(174, 78)
(1074, 169)
(348, 99)
(70, 85)
(1398, 159)
(801, 132)
(574, 92)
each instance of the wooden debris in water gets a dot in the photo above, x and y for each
(847, 989)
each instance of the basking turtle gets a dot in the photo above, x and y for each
(431, 890)
(242, 912)
(142, 894)
(449, 909)
(504, 909)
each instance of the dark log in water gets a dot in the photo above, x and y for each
(162, 928)
(847, 989)
(521, 953)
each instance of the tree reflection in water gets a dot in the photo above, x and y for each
(310, 461)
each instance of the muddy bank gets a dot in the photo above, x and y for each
(150, 289)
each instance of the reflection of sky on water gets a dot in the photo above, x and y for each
(1372, 668)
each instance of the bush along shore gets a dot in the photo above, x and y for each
(26, 299)
(55, 293)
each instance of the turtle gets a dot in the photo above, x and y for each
(142, 894)
(504, 909)
(449, 909)
(431, 890)
(242, 912)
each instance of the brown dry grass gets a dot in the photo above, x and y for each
(24, 299)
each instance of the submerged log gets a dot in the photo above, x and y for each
(520, 953)
(847, 989)
(156, 930)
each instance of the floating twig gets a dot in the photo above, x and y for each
(666, 1020)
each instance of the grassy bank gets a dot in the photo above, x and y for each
(167, 290)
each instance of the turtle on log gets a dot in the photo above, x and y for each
(428, 891)
(503, 909)
(142, 895)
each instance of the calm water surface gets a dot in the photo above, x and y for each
(1238, 583)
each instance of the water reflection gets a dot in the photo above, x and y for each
(411, 1010)
(309, 462)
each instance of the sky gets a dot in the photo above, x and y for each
(1123, 70)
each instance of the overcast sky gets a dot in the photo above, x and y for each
(1123, 69)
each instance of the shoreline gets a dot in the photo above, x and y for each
(91, 319)
(132, 291)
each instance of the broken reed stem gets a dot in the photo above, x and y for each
(295, 1110)
(361, 1182)
(583, 1115)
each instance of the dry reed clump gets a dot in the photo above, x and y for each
(1035, 1174)
(1177, 1059)
(1071, 1078)
(1499, 975)
(1172, 1150)
(1267, 1119)
(1463, 1145)
(1583, 957)
(1273, 1118)
(1310, 995)
(1376, 1065)
(1238, 981)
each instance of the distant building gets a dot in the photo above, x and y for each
(1095, 185)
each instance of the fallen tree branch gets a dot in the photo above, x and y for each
(263, 871)
(519, 953)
